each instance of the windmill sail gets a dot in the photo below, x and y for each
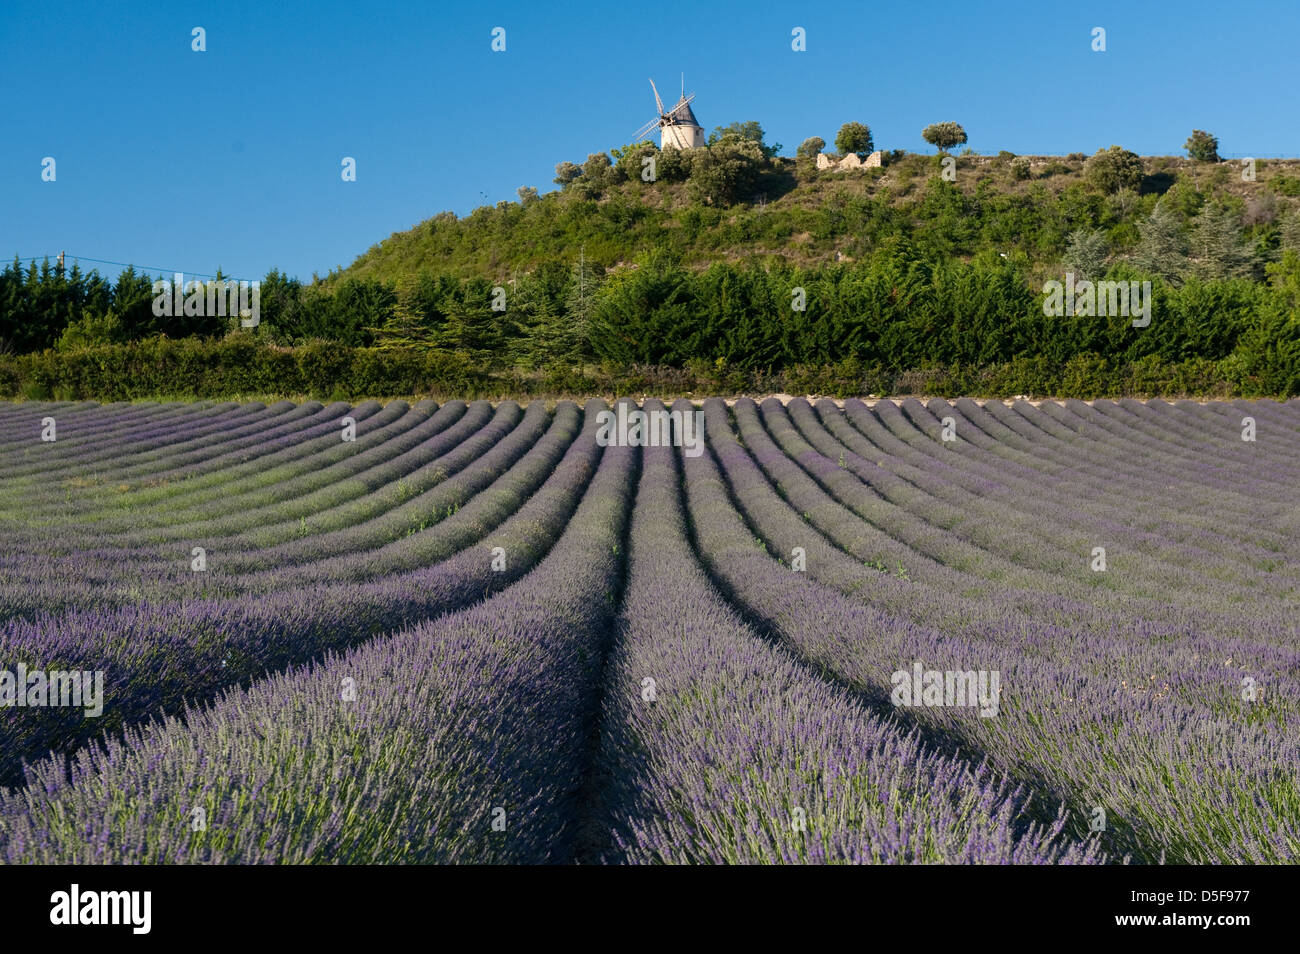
(681, 113)
(678, 127)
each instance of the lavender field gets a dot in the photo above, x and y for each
(907, 632)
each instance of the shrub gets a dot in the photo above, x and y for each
(1202, 146)
(238, 365)
(1113, 169)
(566, 172)
(726, 173)
(1285, 185)
(749, 132)
(809, 148)
(596, 166)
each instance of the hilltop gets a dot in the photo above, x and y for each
(793, 213)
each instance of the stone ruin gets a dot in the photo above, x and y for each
(851, 161)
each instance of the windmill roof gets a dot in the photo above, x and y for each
(681, 113)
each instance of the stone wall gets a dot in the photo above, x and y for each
(851, 161)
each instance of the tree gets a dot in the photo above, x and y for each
(1218, 244)
(133, 299)
(1162, 247)
(1113, 169)
(855, 137)
(1291, 232)
(527, 195)
(1085, 254)
(725, 173)
(280, 297)
(628, 160)
(90, 331)
(597, 175)
(749, 131)
(471, 326)
(596, 166)
(406, 327)
(1202, 146)
(944, 135)
(1183, 197)
(566, 172)
(1268, 351)
(357, 306)
(809, 148)
(549, 330)
(674, 165)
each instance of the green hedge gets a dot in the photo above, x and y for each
(223, 368)
(238, 366)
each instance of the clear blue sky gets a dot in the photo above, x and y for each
(231, 157)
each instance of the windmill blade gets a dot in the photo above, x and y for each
(637, 136)
(658, 102)
(685, 103)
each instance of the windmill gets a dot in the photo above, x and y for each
(678, 128)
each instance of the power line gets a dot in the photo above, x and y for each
(143, 268)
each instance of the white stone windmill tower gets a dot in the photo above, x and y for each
(678, 128)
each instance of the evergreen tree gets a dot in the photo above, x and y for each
(356, 306)
(1202, 146)
(472, 327)
(547, 327)
(566, 172)
(1291, 232)
(1162, 247)
(573, 341)
(281, 306)
(407, 325)
(133, 305)
(1085, 254)
(1268, 351)
(1218, 244)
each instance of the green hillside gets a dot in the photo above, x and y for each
(1024, 206)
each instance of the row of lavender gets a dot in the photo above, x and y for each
(292, 538)
(300, 497)
(158, 654)
(957, 536)
(1122, 707)
(471, 738)
(232, 552)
